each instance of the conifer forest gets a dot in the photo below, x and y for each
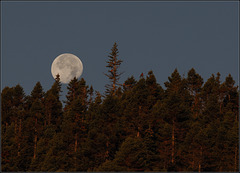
(138, 125)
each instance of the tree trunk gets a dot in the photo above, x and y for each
(235, 160)
(75, 150)
(196, 105)
(15, 132)
(139, 114)
(15, 127)
(114, 87)
(173, 141)
(76, 143)
(49, 118)
(107, 152)
(114, 78)
(193, 162)
(199, 163)
(19, 136)
(199, 166)
(220, 107)
(35, 140)
(35, 146)
(18, 149)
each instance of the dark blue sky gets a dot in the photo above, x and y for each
(158, 36)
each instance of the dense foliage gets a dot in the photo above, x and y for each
(136, 126)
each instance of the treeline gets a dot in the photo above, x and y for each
(135, 126)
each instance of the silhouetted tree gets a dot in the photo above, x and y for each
(113, 74)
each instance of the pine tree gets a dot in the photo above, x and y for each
(231, 96)
(135, 109)
(177, 113)
(194, 84)
(163, 132)
(74, 118)
(152, 156)
(14, 116)
(155, 90)
(53, 106)
(195, 145)
(73, 91)
(37, 114)
(155, 93)
(94, 110)
(91, 92)
(110, 116)
(37, 92)
(113, 74)
(210, 100)
(9, 149)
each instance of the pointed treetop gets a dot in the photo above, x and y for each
(18, 91)
(37, 92)
(56, 87)
(229, 82)
(194, 81)
(113, 65)
(151, 78)
(174, 81)
(129, 83)
(114, 50)
(18, 95)
(212, 85)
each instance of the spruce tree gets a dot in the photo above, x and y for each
(194, 85)
(113, 74)
(37, 111)
(53, 106)
(73, 127)
(177, 113)
(37, 92)
(14, 116)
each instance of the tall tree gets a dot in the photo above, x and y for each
(37, 113)
(194, 84)
(53, 106)
(74, 117)
(210, 100)
(73, 91)
(113, 74)
(177, 113)
(135, 108)
(37, 92)
(13, 116)
(156, 92)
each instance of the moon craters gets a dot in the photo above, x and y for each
(67, 66)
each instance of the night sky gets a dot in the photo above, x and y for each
(158, 36)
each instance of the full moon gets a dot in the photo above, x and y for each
(67, 66)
